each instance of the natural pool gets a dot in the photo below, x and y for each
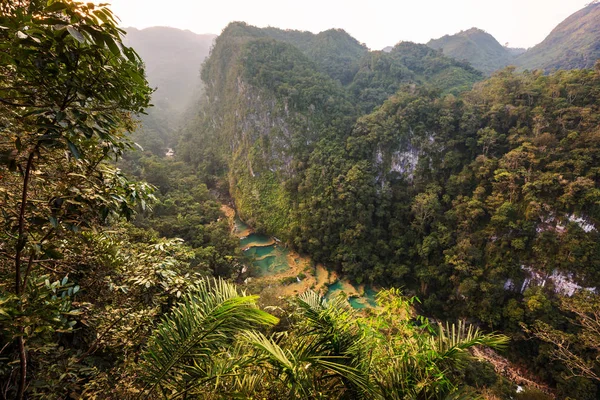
(266, 256)
(270, 259)
(255, 240)
(368, 298)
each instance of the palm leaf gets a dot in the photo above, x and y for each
(182, 346)
(453, 341)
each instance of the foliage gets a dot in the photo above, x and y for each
(464, 198)
(328, 352)
(476, 47)
(580, 350)
(184, 349)
(572, 44)
(186, 209)
(60, 122)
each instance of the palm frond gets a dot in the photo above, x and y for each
(182, 346)
(453, 341)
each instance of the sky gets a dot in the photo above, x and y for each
(377, 23)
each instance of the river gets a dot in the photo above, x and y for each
(272, 262)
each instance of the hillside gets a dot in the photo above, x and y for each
(276, 96)
(333, 223)
(381, 73)
(334, 51)
(408, 175)
(574, 43)
(475, 46)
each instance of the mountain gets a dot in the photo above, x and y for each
(477, 47)
(516, 51)
(334, 50)
(173, 58)
(573, 44)
(382, 73)
(280, 107)
(482, 199)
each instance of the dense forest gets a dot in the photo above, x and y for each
(482, 202)
(119, 273)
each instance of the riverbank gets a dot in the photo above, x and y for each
(280, 272)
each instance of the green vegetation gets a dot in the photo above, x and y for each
(574, 43)
(209, 347)
(381, 74)
(476, 47)
(462, 196)
(60, 125)
(393, 169)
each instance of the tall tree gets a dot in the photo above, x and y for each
(68, 88)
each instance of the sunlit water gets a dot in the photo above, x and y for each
(269, 258)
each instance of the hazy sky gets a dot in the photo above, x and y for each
(378, 23)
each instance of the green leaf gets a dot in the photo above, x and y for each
(74, 150)
(76, 34)
(112, 45)
(58, 6)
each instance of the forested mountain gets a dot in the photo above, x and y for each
(130, 275)
(334, 51)
(574, 43)
(172, 59)
(472, 199)
(273, 105)
(382, 73)
(477, 47)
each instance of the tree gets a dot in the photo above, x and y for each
(68, 88)
(189, 348)
(579, 351)
(209, 346)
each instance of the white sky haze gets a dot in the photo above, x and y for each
(377, 23)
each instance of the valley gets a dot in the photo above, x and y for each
(275, 213)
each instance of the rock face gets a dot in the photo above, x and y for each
(573, 44)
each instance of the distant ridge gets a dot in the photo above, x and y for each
(477, 47)
(173, 58)
(573, 44)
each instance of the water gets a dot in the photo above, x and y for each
(334, 289)
(268, 258)
(371, 296)
(357, 302)
(259, 252)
